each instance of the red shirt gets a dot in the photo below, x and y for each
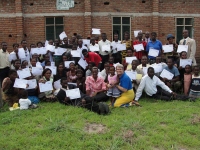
(93, 57)
(140, 53)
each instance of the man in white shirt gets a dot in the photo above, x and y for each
(26, 51)
(116, 54)
(153, 87)
(80, 47)
(147, 37)
(104, 54)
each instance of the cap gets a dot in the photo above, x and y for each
(170, 36)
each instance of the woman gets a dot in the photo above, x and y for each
(125, 86)
(60, 72)
(71, 75)
(9, 92)
(96, 87)
(80, 80)
(48, 95)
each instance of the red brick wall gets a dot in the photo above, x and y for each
(7, 6)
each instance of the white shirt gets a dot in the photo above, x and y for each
(113, 44)
(95, 45)
(24, 103)
(149, 85)
(28, 56)
(101, 43)
(80, 50)
(4, 59)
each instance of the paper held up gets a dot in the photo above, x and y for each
(157, 68)
(75, 53)
(166, 74)
(24, 73)
(86, 42)
(20, 83)
(184, 62)
(136, 32)
(39, 51)
(62, 35)
(138, 47)
(50, 48)
(121, 47)
(59, 51)
(37, 71)
(131, 74)
(83, 63)
(153, 52)
(130, 59)
(47, 86)
(96, 31)
(106, 48)
(53, 69)
(182, 48)
(168, 48)
(67, 63)
(73, 93)
(57, 84)
(94, 48)
(21, 53)
(31, 84)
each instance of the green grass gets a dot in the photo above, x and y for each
(156, 125)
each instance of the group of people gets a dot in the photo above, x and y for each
(107, 75)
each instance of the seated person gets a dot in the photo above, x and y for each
(71, 74)
(9, 93)
(46, 58)
(153, 87)
(96, 87)
(144, 63)
(175, 83)
(129, 53)
(89, 71)
(80, 81)
(85, 101)
(33, 93)
(158, 61)
(111, 60)
(17, 64)
(104, 73)
(60, 72)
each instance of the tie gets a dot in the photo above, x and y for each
(184, 42)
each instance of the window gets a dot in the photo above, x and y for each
(121, 25)
(181, 24)
(54, 26)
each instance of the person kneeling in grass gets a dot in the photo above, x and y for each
(85, 101)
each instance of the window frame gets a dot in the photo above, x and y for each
(54, 25)
(121, 26)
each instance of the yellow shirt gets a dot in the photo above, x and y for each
(4, 59)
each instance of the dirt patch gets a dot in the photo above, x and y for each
(95, 128)
(163, 124)
(195, 119)
(128, 136)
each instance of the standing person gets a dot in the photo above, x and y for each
(104, 54)
(93, 44)
(195, 83)
(27, 54)
(187, 79)
(116, 54)
(154, 44)
(140, 41)
(4, 62)
(191, 46)
(147, 37)
(80, 47)
(96, 39)
(128, 43)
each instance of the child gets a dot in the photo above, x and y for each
(89, 71)
(195, 83)
(187, 79)
(113, 91)
(71, 75)
(111, 61)
(80, 81)
(24, 101)
(129, 53)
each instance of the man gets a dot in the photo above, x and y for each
(175, 83)
(92, 57)
(116, 54)
(104, 54)
(27, 54)
(81, 47)
(4, 62)
(147, 37)
(154, 44)
(144, 63)
(66, 44)
(84, 101)
(153, 87)
(191, 46)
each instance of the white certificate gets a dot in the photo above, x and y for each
(131, 74)
(75, 53)
(53, 69)
(59, 51)
(168, 48)
(157, 68)
(96, 31)
(53, 64)
(37, 71)
(145, 70)
(138, 47)
(106, 47)
(86, 42)
(20, 83)
(94, 48)
(130, 59)
(24, 73)
(73, 93)
(12, 56)
(83, 63)
(166, 74)
(67, 63)
(57, 84)
(182, 48)
(136, 32)
(184, 62)
(35, 51)
(50, 48)
(121, 47)
(38, 64)
(43, 50)
(47, 86)
(62, 35)
(21, 53)
(153, 52)
(31, 84)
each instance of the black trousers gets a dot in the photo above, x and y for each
(3, 74)
(101, 97)
(162, 94)
(104, 59)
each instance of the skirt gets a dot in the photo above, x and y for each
(194, 94)
(114, 92)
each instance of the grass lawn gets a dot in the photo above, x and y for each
(157, 125)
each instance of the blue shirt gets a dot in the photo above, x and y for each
(174, 71)
(155, 45)
(125, 82)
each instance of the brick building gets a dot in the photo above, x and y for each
(37, 20)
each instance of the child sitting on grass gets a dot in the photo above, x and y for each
(24, 102)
